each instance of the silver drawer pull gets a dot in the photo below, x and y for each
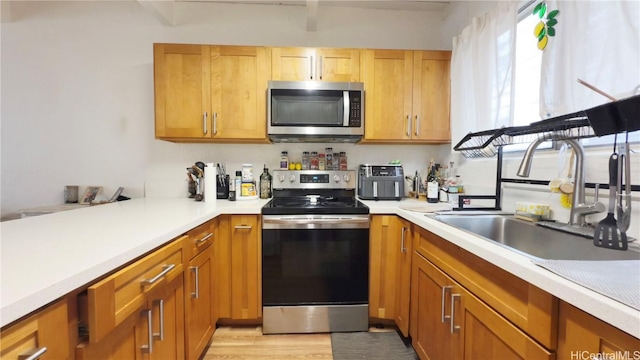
(444, 292)
(240, 227)
(148, 349)
(164, 272)
(196, 272)
(205, 238)
(32, 354)
(454, 327)
(160, 335)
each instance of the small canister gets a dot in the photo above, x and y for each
(247, 173)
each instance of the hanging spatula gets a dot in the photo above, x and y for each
(606, 234)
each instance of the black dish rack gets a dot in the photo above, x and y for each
(611, 118)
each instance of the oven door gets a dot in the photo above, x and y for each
(315, 259)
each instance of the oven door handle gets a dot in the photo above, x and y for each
(327, 222)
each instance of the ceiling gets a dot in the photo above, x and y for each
(411, 5)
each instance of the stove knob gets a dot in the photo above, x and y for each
(281, 178)
(292, 178)
(336, 178)
(346, 178)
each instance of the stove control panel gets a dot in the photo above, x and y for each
(314, 179)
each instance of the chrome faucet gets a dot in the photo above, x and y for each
(579, 208)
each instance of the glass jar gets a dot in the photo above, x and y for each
(343, 160)
(329, 158)
(305, 160)
(313, 161)
(321, 162)
(284, 160)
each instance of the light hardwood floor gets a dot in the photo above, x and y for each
(249, 343)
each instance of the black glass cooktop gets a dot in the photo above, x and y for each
(314, 205)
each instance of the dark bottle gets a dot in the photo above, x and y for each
(265, 184)
(432, 184)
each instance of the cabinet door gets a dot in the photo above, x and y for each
(45, 332)
(384, 252)
(338, 65)
(388, 88)
(487, 334)
(431, 96)
(239, 76)
(200, 323)
(431, 311)
(124, 342)
(167, 311)
(582, 336)
(182, 91)
(292, 64)
(403, 277)
(246, 300)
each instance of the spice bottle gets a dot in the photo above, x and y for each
(284, 161)
(329, 158)
(343, 160)
(305, 160)
(313, 162)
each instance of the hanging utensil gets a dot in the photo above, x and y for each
(606, 234)
(624, 199)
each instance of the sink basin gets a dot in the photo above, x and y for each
(532, 240)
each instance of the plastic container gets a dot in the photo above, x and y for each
(284, 160)
(313, 161)
(343, 160)
(305, 160)
(329, 158)
(247, 173)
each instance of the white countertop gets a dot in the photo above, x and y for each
(43, 258)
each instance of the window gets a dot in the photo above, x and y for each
(528, 66)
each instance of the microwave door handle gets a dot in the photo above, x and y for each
(345, 117)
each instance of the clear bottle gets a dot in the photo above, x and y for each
(313, 161)
(329, 158)
(305, 160)
(336, 161)
(284, 160)
(265, 184)
(321, 162)
(343, 160)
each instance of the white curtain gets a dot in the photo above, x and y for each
(482, 64)
(596, 41)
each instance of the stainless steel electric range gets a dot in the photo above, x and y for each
(315, 254)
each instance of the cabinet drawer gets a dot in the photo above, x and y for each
(200, 238)
(113, 299)
(528, 307)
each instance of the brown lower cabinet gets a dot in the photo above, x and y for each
(46, 332)
(452, 323)
(582, 336)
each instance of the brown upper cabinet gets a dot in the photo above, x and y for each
(297, 64)
(211, 93)
(407, 96)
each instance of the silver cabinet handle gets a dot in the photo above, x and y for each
(32, 354)
(205, 238)
(166, 269)
(402, 248)
(444, 291)
(215, 123)
(311, 67)
(417, 125)
(148, 349)
(160, 335)
(204, 122)
(454, 328)
(320, 66)
(196, 272)
(408, 126)
(240, 227)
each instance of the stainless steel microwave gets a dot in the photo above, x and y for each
(315, 111)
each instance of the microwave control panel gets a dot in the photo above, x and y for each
(355, 114)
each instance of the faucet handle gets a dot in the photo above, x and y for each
(597, 191)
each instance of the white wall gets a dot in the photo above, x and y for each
(77, 89)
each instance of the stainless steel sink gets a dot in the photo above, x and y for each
(532, 240)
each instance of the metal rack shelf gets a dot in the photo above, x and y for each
(611, 118)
